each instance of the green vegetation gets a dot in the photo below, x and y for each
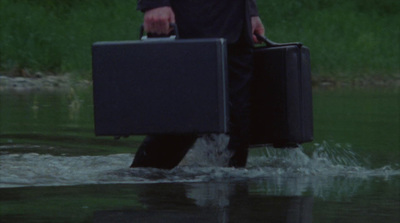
(56, 35)
(347, 39)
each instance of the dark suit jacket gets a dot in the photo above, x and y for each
(227, 19)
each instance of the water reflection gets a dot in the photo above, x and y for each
(35, 107)
(212, 202)
(350, 173)
(74, 106)
(262, 200)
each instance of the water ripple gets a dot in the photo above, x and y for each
(32, 169)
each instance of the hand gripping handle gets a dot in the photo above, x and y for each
(173, 34)
(270, 43)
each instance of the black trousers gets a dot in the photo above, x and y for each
(166, 151)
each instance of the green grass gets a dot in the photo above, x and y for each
(56, 36)
(347, 39)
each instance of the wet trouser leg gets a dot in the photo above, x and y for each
(163, 151)
(240, 75)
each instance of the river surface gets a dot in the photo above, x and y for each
(53, 168)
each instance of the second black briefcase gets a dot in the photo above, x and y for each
(281, 95)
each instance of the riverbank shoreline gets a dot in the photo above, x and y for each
(368, 81)
(41, 83)
(66, 82)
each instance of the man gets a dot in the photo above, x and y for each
(235, 20)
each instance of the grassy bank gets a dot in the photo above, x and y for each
(347, 39)
(56, 35)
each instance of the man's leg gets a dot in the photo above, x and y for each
(163, 151)
(240, 61)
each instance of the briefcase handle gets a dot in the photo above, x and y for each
(174, 34)
(270, 43)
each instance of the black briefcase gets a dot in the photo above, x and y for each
(281, 111)
(160, 86)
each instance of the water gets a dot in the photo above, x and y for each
(52, 168)
(32, 169)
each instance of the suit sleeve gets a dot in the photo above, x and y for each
(144, 5)
(253, 8)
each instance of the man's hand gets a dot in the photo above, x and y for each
(257, 28)
(158, 20)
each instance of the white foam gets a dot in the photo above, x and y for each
(204, 163)
(209, 150)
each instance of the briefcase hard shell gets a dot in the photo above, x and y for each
(160, 87)
(282, 96)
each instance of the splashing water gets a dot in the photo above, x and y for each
(324, 160)
(204, 163)
(209, 150)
